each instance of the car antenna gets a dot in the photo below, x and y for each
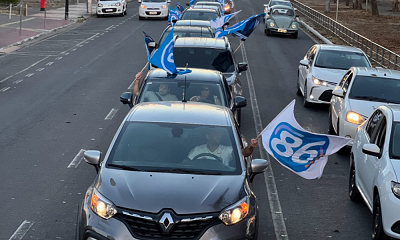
(184, 89)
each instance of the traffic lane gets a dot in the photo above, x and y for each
(88, 94)
(313, 209)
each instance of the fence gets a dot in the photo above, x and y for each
(376, 53)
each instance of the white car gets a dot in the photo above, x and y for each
(110, 7)
(360, 91)
(153, 9)
(322, 68)
(375, 170)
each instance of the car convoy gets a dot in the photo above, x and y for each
(364, 104)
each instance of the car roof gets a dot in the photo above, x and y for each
(220, 43)
(192, 23)
(180, 112)
(187, 28)
(201, 10)
(377, 72)
(197, 74)
(396, 111)
(339, 48)
(282, 7)
(203, 6)
(208, 3)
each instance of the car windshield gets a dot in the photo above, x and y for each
(273, 3)
(154, 1)
(197, 91)
(208, 58)
(375, 89)
(199, 15)
(395, 141)
(282, 12)
(340, 59)
(188, 32)
(176, 147)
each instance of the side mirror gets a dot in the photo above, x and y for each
(257, 166)
(152, 44)
(226, 24)
(126, 98)
(239, 102)
(187, 4)
(93, 158)
(338, 92)
(242, 66)
(295, 9)
(304, 63)
(371, 149)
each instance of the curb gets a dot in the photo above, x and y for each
(313, 31)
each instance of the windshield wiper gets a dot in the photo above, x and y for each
(179, 170)
(124, 167)
(370, 98)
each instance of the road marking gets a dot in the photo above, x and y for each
(109, 27)
(29, 75)
(74, 49)
(22, 230)
(77, 159)
(66, 53)
(274, 203)
(58, 58)
(49, 63)
(111, 114)
(4, 89)
(17, 21)
(18, 81)
(5, 79)
(39, 69)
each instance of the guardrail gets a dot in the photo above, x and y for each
(376, 53)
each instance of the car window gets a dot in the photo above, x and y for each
(312, 54)
(372, 125)
(282, 12)
(273, 3)
(227, 90)
(347, 82)
(208, 58)
(395, 141)
(188, 32)
(176, 146)
(199, 15)
(375, 89)
(343, 80)
(381, 133)
(340, 59)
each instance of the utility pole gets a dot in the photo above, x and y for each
(66, 9)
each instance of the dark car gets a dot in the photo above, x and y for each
(282, 20)
(154, 182)
(200, 14)
(202, 85)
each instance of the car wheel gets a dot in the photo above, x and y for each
(331, 130)
(267, 32)
(141, 18)
(98, 15)
(126, 11)
(354, 194)
(306, 104)
(295, 35)
(377, 226)
(298, 85)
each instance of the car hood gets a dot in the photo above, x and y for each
(153, 4)
(327, 74)
(109, 3)
(362, 107)
(184, 193)
(282, 21)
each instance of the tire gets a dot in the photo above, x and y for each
(295, 35)
(306, 104)
(354, 194)
(377, 226)
(141, 18)
(331, 130)
(298, 85)
(267, 32)
(98, 15)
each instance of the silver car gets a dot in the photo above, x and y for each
(155, 182)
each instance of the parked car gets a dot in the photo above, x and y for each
(358, 94)
(375, 170)
(111, 7)
(282, 20)
(200, 14)
(323, 67)
(154, 9)
(152, 184)
(189, 87)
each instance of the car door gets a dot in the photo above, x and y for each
(338, 103)
(305, 70)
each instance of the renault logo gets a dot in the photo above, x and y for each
(166, 222)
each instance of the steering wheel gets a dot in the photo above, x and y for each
(206, 101)
(207, 155)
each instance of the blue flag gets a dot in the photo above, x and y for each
(243, 29)
(172, 16)
(191, 2)
(163, 57)
(147, 40)
(180, 7)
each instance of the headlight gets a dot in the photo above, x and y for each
(316, 81)
(294, 26)
(271, 24)
(353, 117)
(227, 7)
(118, 4)
(164, 6)
(396, 189)
(100, 5)
(142, 6)
(236, 212)
(101, 206)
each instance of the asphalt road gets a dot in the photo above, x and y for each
(58, 96)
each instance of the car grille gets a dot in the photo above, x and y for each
(148, 227)
(148, 13)
(108, 10)
(326, 96)
(153, 9)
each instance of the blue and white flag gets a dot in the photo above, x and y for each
(243, 29)
(219, 22)
(221, 2)
(191, 2)
(304, 153)
(172, 15)
(163, 57)
(147, 40)
(180, 7)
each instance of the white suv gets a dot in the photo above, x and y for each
(375, 170)
(360, 91)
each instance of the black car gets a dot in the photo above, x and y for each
(157, 180)
(200, 85)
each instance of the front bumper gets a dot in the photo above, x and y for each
(109, 10)
(289, 31)
(153, 13)
(347, 129)
(319, 93)
(390, 206)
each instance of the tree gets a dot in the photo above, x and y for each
(374, 8)
(395, 6)
(327, 6)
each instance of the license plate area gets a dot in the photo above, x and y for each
(282, 30)
(153, 13)
(109, 10)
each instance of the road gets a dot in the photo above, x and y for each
(60, 95)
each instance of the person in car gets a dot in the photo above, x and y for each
(162, 94)
(206, 97)
(214, 147)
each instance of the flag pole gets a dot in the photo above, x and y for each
(241, 42)
(144, 67)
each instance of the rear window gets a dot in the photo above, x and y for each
(375, 89)
(188, 32)
(199, 15)
(395, 141)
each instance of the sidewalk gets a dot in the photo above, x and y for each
(34, 25)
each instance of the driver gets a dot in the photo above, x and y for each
(205, 96)
(214, 147)
(162, 94)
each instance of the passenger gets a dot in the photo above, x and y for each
(276, 12)
(162, 94)
(205, 97)
(289, 12)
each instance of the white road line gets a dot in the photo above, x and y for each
(58, 58)
(5, 79)
(66, 53)
(111, 114)
(18, 81)
(22, 230)
(274, 204)
(49, 63)
(4, 89)
(74, 49)
(39, 69)
(29, 75)
(3, 25)
(77, 159)
(109, 27)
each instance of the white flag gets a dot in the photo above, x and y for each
(219, 22)
(305, 153)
